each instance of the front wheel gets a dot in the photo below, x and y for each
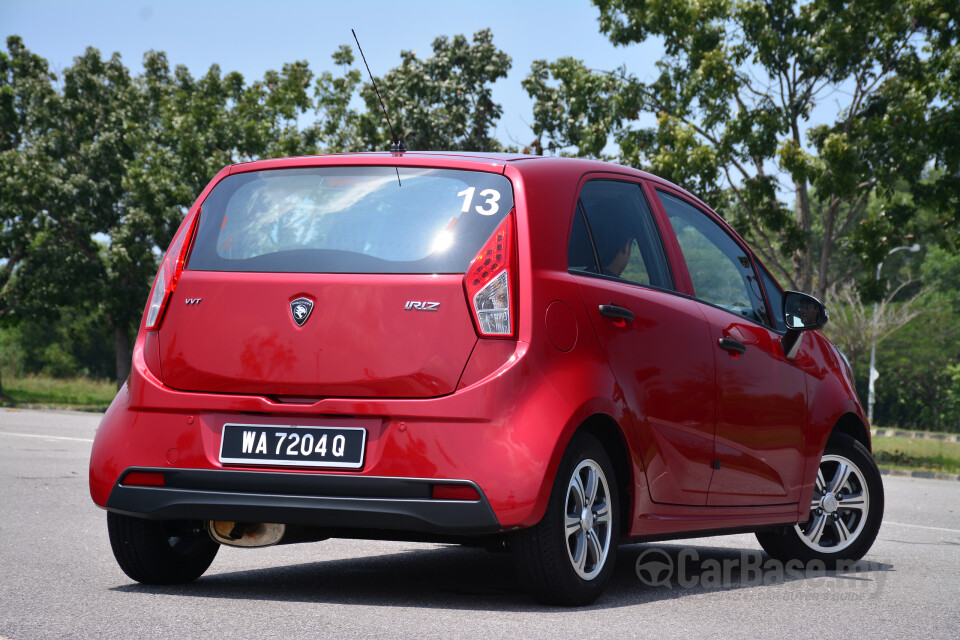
(160, 552)
(568, 557)
(845, 511)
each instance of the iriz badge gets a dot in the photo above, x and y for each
(416, 305)
(300, 309)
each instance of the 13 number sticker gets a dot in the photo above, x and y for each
(487, 208)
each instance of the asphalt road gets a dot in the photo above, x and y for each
(58, 578)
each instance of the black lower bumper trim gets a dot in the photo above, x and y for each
(335, 501)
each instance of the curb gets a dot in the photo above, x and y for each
(929, 475)
(921, 435)
(14, 406)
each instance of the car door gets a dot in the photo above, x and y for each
(656, 341)
(761, 406)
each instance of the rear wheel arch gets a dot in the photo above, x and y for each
(605, 429)
(569, 556)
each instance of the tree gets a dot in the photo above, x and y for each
(62, 164)
(441, 103)
(740, 88)
(854, 325)
(919, 383)
(97, 174)
(339, 123)
(25, 89)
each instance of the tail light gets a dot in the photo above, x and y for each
(170, 270)
(489, 284)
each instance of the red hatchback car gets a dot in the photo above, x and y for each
(557, 355)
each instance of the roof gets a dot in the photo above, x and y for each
(489, 160)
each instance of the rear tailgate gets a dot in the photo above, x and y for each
(236, 333)
(380, 263)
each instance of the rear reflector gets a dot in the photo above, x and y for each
(454, 492)
(143, 479)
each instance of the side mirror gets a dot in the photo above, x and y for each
(801, 312)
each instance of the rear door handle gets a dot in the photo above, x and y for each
(729, 344)
(615, 312)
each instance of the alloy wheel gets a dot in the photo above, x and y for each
(587, 519)
(839, 508)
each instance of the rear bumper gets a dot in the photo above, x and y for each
(358, 502)
(504, 431)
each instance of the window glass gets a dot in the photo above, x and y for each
(349, 220)
(623, 232)
(775, 298)
(580, 256)
(720, 269)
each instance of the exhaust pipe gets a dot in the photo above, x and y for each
(245, 534)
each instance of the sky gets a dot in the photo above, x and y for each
(252, 37)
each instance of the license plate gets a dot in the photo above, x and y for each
(293, 445)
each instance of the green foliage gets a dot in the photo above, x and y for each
(339, 123)
(441, 103)
(735, 100)
(72, 343)
(574, 107)
(919, 384)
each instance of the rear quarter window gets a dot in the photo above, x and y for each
(349, 220)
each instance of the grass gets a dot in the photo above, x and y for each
(70, 393)
(917, 454)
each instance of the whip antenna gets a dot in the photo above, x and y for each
(397, 146)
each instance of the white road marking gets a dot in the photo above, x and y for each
(35, 435)
(920, 526)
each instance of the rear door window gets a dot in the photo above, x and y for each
(623, 234)
(349, 220)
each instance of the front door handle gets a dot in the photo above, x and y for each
(729, 344)
(615, 312)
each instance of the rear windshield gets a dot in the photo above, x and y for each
(349, 220)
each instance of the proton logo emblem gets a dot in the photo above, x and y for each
(300, 309)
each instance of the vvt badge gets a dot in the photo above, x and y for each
(301, 308)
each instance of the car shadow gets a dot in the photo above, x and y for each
(456, 577)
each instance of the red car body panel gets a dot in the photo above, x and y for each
(761, 416)
(339, 352)
(440, 403)
(663, 362)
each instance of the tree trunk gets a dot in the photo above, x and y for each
(829, 219)
(3, 396)
(803, 258)
(121, 341)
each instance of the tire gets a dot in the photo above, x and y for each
(160, 552)
(566, 559)
(845, 513)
